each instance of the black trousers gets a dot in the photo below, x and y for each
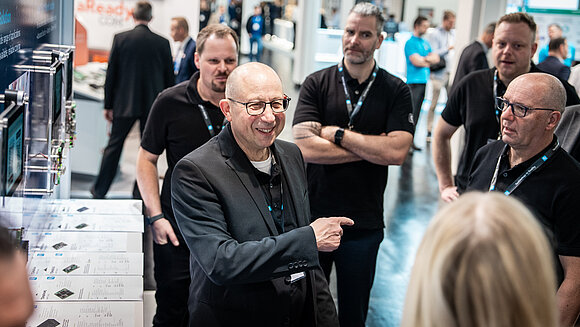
(173, 279)
(110, 161)
(417, 96)
(355, 261)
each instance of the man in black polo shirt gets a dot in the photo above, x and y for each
(529, 164)
(182, 118)
(348, 146)
(471, 102)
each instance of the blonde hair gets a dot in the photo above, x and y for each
(484, 262)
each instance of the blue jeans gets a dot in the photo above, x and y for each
(256, 40)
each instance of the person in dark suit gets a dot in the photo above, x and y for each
(241, 204)
(554, 63)
(474, 56)
(183, 61)
(140, 67)
(182, 118)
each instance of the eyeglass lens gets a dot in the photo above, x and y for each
(258, 107)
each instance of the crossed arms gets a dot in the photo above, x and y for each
(317, 145)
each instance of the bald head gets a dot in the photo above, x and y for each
(250, 78)
(545, 89)
(255, 108)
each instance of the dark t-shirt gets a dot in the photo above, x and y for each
(472, 104)
(175, 124)
(552, 192)
(356, 189)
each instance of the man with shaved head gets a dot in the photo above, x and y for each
(241, 203)
(472, 102)
(528, 163)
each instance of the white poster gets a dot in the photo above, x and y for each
(84, 242)
(84, 263)
(570, 29)
(82, 288)
(85, 222)
(83, 314)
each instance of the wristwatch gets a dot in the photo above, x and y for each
(338, 136)
(151, 220)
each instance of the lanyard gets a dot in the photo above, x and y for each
(275, 169)
(353, 112)
(537, 164)
(497, 111)
(208, 121)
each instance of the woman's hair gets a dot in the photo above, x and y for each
(484, 262)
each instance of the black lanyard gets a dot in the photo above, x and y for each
(207, 121)
(496, 105)
(275, 170)
(537, 164)
(353, 112)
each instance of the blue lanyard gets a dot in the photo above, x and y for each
(353, 112)
(208, 121)
(537, 164)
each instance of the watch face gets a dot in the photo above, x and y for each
(338, 136)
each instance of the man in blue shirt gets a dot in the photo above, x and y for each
(255, 28)
(419, 58)
(554, 32)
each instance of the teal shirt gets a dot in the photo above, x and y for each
(417, 75)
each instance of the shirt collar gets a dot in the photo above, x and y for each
(351, 80)
(524, 165)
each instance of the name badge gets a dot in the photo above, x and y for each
(297, 276)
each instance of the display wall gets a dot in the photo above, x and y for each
(24, 26)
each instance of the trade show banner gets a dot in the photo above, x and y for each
(24, 26)
(104, 18)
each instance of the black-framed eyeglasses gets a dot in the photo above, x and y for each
(518, 110)
(256, 108)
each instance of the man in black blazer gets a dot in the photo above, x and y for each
(474, 56)
(241, 203)
(139, 68)
(183, 61)
(554, 63)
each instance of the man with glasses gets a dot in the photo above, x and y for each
(471, 103)
(529, 164)
(182, 118)
(352, 121)
(241, 204)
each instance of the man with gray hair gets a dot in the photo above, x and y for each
(352, 121)
(528, 163)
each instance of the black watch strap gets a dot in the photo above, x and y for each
(151, 220)
(338, 135)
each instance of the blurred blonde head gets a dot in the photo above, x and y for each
(484, 262)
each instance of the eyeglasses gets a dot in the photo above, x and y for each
(256, 108)
(518, 110)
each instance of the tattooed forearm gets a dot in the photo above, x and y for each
(306, 130)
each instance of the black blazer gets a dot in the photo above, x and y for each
(238, 259)
(472, 58)
(554, 66)
(187, 66)
(140, 66)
